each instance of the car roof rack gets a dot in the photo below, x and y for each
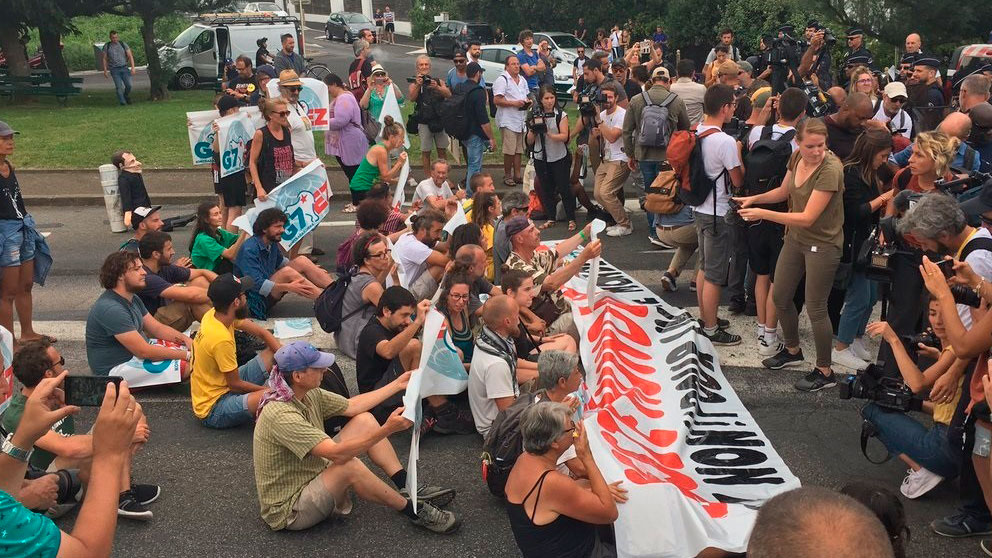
(245, 18)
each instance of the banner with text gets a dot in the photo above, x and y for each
(7, 383)
(662, 418)
(313, 97)
(201, 135)
(233, 133)
(303, 197)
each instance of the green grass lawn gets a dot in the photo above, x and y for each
(86, 132)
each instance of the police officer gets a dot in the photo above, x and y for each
(857, 54)
(785, 60)
(925, 71)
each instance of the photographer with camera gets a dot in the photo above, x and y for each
(815, 64)
(929, 452)
(784, 59)
(594, 74)
(613, 170)
(547, 133)
(428, 93)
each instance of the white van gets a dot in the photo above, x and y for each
(197, 55)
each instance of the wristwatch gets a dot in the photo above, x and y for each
(15, 452)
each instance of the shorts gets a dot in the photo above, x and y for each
(17, 246)
(983, 441)
(232, 408)
(513, 142)
(177, 315)
(234, 191)
(713, 234)
(424, 287)
(314, 505)
(764, 242)
(429, 140)
(390, 27)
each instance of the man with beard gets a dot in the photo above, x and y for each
(420, 262)
(225, 395)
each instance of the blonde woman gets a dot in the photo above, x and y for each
(930, 160)
(864, 81)
(271, 159)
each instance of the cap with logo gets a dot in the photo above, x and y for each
(300, 355)
(226, 288)
(141, 213)
(896, 89)
(289, 78)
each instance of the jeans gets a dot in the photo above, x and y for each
(902, 434)
(649, 171)
(860, 298)
(122, 82)
(232, 408)
(474, 147)
(16, 245)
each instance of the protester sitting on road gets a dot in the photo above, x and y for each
(225, 395)
(470, 260)
(479, 183)
(515, 204)
(453, 305)
(887, 508)
(271, 159)
(231, 190)
(212, 247)
(371, 216)
(435, 190)
(486, 209)
(145, 220)
(130, 184)
(371, 254)
(378, 85)
(374, 168)
(929, 452)
(304, 476)
(395, 220)
(287, 58)
(421, 262)
(816, 522)
(175, 296)
(955, 125)
(550, 513)
(61, 447)
(559, 379)
(118, 327)
(529, 338)
(494, 380)
(428, 97)
(273, 274)
(30, 534)
(550, 273)
(814, 186)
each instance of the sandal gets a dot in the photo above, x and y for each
(571, 226)
(350, 208)
(547, 225)
(509, 182)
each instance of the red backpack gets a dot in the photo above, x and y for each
(686, 158)
(356, 84)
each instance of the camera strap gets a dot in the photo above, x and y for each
(868, 431)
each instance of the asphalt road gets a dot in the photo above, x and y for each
(209, 506)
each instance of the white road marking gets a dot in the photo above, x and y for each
(336, 224)
(418, 51)
(46, 234)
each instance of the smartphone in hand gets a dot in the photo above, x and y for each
(88, 391)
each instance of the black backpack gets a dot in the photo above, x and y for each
(767, 161)
(330, 303)
(457, 122)
(504, 444)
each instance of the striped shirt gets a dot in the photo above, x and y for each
(284, 435)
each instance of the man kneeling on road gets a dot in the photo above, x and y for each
(225, 395)
(61, 447)
(304, 476)
(273, 274)
(176, 296)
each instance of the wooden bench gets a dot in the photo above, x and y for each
(40, 84)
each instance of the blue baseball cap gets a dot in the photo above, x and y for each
(300, 355)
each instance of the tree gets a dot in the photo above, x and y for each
(891, 20)
(13, 24)
(751, 18)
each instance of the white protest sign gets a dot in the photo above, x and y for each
(399, 195)
(597, 226)
(458, 219)
(257, 120)
(313, 97)
(201, 135)
(391, 107)
(233, 131)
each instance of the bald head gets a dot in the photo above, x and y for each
(499, 313)
(838, 94)
(814, 522)
(956, 124)
(472, 258)
(856, 110)
(913, 42)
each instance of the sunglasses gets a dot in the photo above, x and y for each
(61, 362)
(899, 100)
(282, 113)
(295, 88)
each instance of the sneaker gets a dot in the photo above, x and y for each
(986, 546)
(847, 359)
(434, 495)
(668, 282)
(692, 286)
(145, 493)
(736, 307)
(657, 242)
(450, 421)
(815, 381)
(723, 339)
(918, 483)
(128, 506)
(438, 521)
(860, 350)
(960, 525)
(782, 359)
(619, 230)
(427, 425)
(767, 349)
(720, 323)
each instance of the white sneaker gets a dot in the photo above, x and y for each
(847, 359)
(918, 483)
(767, 349)
(860, 350)
(619, 230)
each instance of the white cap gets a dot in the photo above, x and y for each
(896, 89)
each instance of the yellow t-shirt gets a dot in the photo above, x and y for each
(488, 233)
(213, 355)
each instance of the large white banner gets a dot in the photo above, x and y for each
(303, 197)
(233, 133)
(201, 135)
(662, 418)
(391, 107)
(313, 97)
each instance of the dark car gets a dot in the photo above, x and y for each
(452, 36)
(347, 26)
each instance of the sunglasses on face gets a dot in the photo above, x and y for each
(282, 113)
(61, 362)
(295, 88)
(899, 100)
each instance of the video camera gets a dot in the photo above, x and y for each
(589, 103)
(537, 119)
(886, 392)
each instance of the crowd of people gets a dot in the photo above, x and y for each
(727, 159)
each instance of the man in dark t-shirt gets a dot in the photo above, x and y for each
(244, 87)
(175, 296)
(844, 126)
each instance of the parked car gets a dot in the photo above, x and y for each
(562, 45)
(493, 56)
(450, 37)
(265, 7)
(347, 26)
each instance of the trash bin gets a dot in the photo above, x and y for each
(112, 198)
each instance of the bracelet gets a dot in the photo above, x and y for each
(978, 288)
(582, 235)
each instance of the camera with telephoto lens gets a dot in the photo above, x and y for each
(828, 37)
(588, 105)
(886, 392)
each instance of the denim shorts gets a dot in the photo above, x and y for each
(983, 441)
(232, 408)
(16, 247)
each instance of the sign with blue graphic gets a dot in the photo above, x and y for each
(313, 97)
(303, 198)
(201, 135)
(233, 131)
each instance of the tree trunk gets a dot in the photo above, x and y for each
(159, 90)
(51, 46)
(17, 62)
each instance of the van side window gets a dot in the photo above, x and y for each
(203, 43)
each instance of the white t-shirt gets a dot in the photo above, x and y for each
(615, 39)
(981, 263)
(511, 118)
(901, 121)
(614, 149)
(428, 188)
(301, 133)
(719, 154)
(411, 254)
(777, 132)
(489, 378)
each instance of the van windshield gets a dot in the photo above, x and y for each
(186, 37)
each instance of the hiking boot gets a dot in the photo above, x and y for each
(722, 339)
(128, 506)
(815, 381)
(668, 283)
(960, 525)
(146, 493)
(450, 421)
(434, 495)
(782, 359)
(438, 521)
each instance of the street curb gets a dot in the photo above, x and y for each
(94, 200)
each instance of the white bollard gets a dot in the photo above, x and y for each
(112, 198)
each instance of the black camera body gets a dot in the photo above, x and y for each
(589, 104)
(888, 393)
(828, 37)
(537, 120)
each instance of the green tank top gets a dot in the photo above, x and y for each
(365, 176)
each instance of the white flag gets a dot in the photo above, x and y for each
(391, 107)
(598, 226)
(399, 196)
(456, 220)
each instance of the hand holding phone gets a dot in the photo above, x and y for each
(88, 391)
